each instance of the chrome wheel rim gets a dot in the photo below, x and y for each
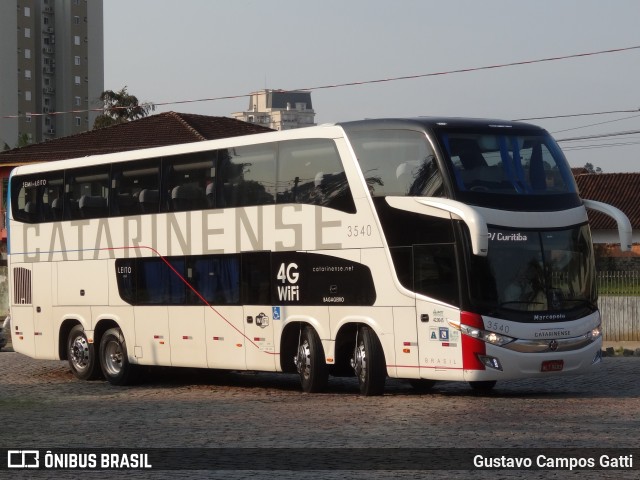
(79, 353)
(360, 362)
(303, 360)
(113, 356)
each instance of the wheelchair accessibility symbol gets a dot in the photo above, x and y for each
(444, 334)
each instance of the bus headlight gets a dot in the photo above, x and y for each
(490, 337)
(596, 333)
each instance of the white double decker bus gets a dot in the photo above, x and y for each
(424, 249)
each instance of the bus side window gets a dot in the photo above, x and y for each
(310, 171)
(53, 199)
(216, 278)
(187, 178)
(435, 272)
(24, 201)
(249, 175)
(126, 276)
(159, 283)
(133, 186)
(256, 284)
(39, 199)
(87, 192)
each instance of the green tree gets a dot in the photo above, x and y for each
(23, 140)
(591, 169)
(120, 107)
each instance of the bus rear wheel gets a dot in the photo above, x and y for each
(114, 360)
(81, 354)
(310, 362)
(368, 363)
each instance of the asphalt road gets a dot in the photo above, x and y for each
(44, 407)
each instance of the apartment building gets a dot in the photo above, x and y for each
(52, 57)
(279, 109)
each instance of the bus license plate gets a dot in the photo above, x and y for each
(552, 366)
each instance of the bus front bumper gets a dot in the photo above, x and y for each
(502, 363)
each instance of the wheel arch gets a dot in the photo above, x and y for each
(289, 344)
(291, 334)
(63, 335)
(346, 340)
(102, 326)
(68, 323)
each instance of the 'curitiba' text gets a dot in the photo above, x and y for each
(507, 237)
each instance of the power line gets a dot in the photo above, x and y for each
(602, 135)
(598, 145)
(364, 82)
(595, 124)
(474, 69)
(551, 117)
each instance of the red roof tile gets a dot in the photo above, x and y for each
(153, 131)
(622, 190)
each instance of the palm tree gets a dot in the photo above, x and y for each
(120, 107)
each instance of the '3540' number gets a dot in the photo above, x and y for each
(358, 230)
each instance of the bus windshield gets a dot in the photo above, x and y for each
(507, 162)
(479, 163)
(535, 271)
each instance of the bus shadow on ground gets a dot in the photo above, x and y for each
(602, 385)
(286, 382)
(170, 377)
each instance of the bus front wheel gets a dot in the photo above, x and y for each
(368, 363)
(82, 355)
(113, 358)
(310, 362)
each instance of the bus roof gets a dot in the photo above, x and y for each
(326, 131)
(435, 122)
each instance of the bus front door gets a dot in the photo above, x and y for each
(439, 343)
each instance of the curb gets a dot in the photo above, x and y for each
(620, 352)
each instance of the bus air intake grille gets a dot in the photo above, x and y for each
(21, 286)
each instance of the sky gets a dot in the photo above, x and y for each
(183, 50)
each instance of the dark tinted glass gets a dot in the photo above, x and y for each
(248, 175)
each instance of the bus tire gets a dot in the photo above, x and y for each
(114, 360)
(81, 355)
(310, 362)
(483, 386)
(368, 363)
